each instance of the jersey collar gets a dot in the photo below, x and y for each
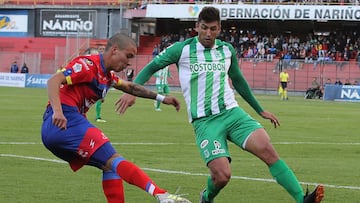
(102, 65)
(216, 44)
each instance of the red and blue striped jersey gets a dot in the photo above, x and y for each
(86, 82)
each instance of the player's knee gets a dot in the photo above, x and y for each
(108, 165)
(268, 154)
(221, 179)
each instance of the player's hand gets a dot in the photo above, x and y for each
(271, 117)
(59, 120)
(124, 102)
(170, 100)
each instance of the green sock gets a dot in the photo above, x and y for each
(158, 104)
(287, 179)
(98, 109)
(211, 190)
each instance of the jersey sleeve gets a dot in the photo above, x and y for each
(168, 56)
(115, 80)
(79, 70)
(241, 85)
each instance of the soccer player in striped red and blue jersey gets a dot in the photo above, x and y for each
(68, 134)
(205, 65)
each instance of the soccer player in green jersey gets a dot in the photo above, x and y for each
(205, 65)
(98, 104)
(162, 85)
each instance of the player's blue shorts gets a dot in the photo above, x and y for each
(80, 144)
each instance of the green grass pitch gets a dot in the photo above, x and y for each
(319, 140)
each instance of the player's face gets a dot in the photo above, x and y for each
(122, 58)
(207, 32)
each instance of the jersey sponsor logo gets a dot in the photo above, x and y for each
(217, 144)
(92, 143)
(217, 149)
(77, 67)
(207, 67)
(204, 143)
(206, 154)
(87, 62)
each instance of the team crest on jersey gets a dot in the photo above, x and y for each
(77, 67)
(217, 54)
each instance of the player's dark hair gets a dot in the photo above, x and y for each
(121, 40)
(209, 14)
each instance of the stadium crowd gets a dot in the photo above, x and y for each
(335, 47)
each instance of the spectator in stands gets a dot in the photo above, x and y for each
(356, 82)
(347, 82)
(24, 69)
(338, 82)
(271, 53)
(156, 50)
(262, 52)
(286, 59)
(328, 58)
(315, 84)
(339, 60)
(302, 53)
(14, 67)
(328, 82)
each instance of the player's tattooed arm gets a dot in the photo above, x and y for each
(136, 90)
(133, 89)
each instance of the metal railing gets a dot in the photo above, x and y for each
(261, 75)
(264, 75)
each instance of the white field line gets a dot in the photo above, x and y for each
(186, 173)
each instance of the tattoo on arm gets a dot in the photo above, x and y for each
(140, 91)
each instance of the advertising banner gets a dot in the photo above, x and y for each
(67, 23)
(349, 93)
(252, 11)
(37, 80)
(13, 23)
(12, 79)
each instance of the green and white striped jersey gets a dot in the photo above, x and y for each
(203, 74)
(162, 76)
